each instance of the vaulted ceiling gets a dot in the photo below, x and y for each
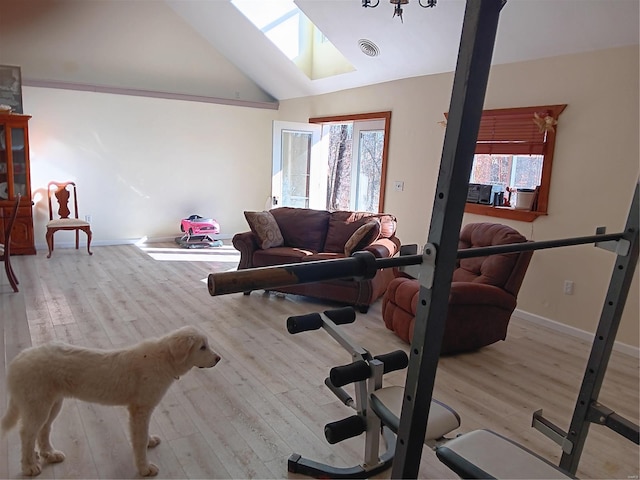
(206, 49)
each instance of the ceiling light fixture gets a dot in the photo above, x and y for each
(397, 9)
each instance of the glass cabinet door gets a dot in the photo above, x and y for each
(15, 180)
(19, 161)
(4, 165)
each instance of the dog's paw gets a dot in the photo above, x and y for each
(149, 471)
(54, 456)
(154, 441)
(31, 470)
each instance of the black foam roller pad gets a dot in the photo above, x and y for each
(304, 323)
(354, 372)
(346, 428)
(340, 316)
(396, 360)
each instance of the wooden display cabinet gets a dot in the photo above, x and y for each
(15, 178)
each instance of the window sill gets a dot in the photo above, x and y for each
(502, 212)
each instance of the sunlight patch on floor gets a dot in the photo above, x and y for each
(223, 254)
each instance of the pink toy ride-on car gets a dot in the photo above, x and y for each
(195, 225)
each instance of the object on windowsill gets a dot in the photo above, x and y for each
(534, 204)
(545, 124)
(498, 199)
(506, 202)
(524, 198)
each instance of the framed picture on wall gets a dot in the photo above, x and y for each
(11, 87)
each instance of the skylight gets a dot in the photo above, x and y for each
(282, 22)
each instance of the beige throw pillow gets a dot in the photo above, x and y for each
(265, 227)
(362, 237)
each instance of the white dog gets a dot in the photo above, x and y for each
(39, 379)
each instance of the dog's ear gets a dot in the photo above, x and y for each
(180, 346)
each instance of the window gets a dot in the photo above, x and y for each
(354, 164)
(515, 171)
(295, 188)
(514, 151)
(357, 159)
(282, 22)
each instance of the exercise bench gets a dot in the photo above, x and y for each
(486, 454)
(376, 412)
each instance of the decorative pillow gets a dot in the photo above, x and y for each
(265, 227)
(363, 236)
(342, 224)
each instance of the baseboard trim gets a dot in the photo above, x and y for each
(121, 241)
(573, 331)
(83, 245)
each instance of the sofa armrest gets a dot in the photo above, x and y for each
(246, 243)
(384, 247)
(478, 294)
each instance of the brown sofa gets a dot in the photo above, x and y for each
(483, 292)
(303, 235)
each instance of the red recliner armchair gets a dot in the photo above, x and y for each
(483, 292)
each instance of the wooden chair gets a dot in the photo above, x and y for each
(5, 248)
(61, 191)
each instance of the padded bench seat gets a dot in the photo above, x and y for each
(486, 454)
(387, 405)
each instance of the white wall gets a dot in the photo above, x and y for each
(595, 169)
(142, 164)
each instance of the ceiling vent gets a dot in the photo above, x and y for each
(368, 47)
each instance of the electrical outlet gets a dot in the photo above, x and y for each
(87, 218)
(568, 287)
(399, 186)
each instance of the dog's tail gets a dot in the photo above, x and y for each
(11, 417)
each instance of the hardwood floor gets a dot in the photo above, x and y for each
(266, 399)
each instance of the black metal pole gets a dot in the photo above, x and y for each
(469, 87)
(604, 338)
(539, 245)
(364, 265)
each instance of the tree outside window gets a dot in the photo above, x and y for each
(356, 165)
